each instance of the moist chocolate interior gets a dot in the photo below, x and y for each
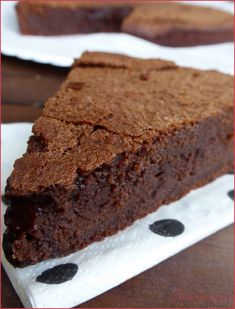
(58, 222)
(186, 38)
(100, 19)
(86, 175)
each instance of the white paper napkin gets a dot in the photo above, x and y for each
(106, 264)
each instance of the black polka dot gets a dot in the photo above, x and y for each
(5, 200)
(231, 194)
(58, 274)
(167, 227)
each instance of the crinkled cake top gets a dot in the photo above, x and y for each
(110, 104)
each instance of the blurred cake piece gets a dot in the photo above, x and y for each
(170, 24)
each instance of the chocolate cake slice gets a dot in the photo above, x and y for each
(177, 25)
(170, 24)
(121, 137)
(44, 17)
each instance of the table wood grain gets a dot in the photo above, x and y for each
(200, 276)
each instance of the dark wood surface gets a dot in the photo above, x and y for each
(200, 276)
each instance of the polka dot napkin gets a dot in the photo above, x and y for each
(72, 280)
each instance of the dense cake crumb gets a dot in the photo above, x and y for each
(114, 112)
(121, 137)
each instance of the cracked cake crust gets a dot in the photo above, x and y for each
(121, 137)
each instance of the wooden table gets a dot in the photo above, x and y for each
(201, 276)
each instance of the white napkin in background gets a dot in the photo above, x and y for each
(61, 50)
(106, 264)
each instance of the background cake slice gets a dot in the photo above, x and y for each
(176, 25)
(121, 137)
(44, 17)
(166, 23)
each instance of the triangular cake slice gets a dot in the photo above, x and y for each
(121, 137)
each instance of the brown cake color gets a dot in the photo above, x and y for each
(121, 137)
(178, 25)
(170, 24)
(70, 17)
